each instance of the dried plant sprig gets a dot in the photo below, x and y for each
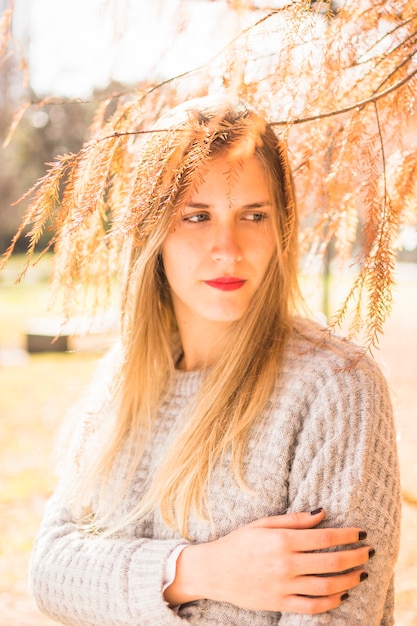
(340, 89)
(44, 206)
(5, 34)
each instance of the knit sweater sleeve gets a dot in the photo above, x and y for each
(346, 461)
(86, 581)
(83, 580)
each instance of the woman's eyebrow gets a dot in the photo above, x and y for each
(252, 205)
(257, 205)
(197, 205)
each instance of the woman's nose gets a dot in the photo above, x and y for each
(226, 246)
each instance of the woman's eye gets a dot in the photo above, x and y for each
(196, 218)
(256, 216)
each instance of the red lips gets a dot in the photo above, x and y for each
(226, 283)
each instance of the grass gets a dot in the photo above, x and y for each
(35, 395)
(36, 391)
(34, 398)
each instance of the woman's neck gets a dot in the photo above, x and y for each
(201, 347)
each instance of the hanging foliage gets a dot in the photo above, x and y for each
(337, 81)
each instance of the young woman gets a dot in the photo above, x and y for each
(233, 463)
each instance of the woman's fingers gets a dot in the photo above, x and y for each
(321, 586)
(296, 520)
(313, 606)
(329, 562)
(323, 538)
(310, 538)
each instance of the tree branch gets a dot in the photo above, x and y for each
(390, 32)
(358, 105)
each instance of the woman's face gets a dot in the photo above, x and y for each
(216, 256)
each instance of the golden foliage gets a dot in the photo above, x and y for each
(339, 88)
(17, 116)
(5, 22)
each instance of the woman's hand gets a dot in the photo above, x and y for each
(270, 565)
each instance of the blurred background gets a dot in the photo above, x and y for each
(75, 53)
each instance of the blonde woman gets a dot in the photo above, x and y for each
(233, 464)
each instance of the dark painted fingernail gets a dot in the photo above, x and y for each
(363, 576)
(371, 553)
(345, 596)
(316, 511)
(362, 535)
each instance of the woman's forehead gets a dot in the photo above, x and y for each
(230, 165)
(242, 178)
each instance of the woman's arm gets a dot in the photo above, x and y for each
(346, 460)
(87, 581)
(269, 565)
(82, 580)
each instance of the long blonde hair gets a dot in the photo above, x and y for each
(236, 389)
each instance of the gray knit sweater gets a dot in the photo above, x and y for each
(326, 439)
